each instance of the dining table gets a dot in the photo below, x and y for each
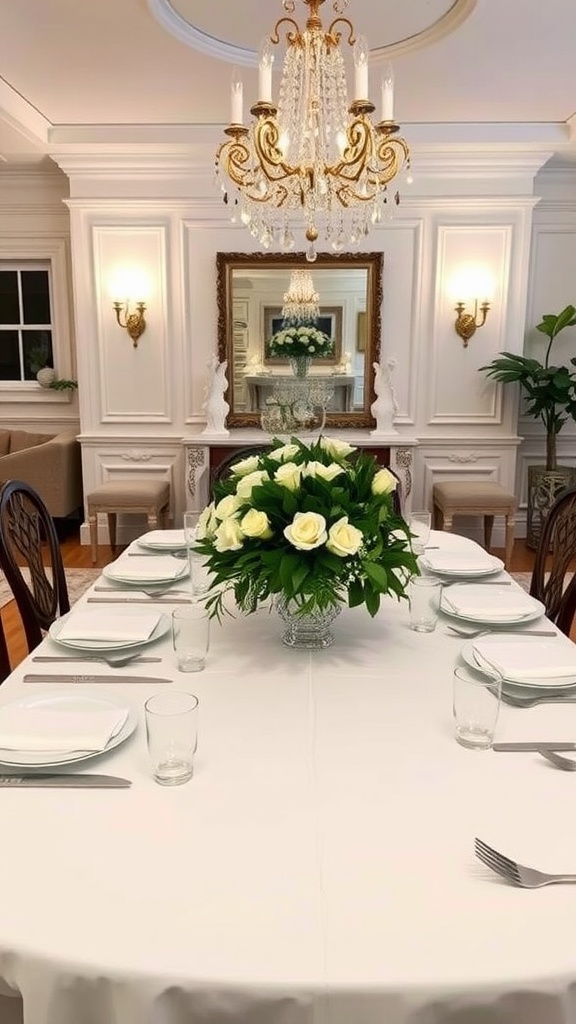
(319, 867)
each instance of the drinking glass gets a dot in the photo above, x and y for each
(199, 575)
(476, 706)
(420, 524)
(172, 735)
(424, 594)
(191, 636)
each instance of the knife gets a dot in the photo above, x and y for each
(139, 660)
(534, 746)
(140, 600)
(77, 677)
(66, 781)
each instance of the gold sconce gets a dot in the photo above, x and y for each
(466, 325)
(134, 323)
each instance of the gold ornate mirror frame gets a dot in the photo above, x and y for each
(250, 291)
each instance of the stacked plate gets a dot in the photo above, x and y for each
(61, 728)
(102, 630)
(162, 540)
(146, 570)
(526, 664)
(491, 606)
(461, 563)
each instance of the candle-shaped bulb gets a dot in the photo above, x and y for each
(388, 93)
(361, 68)
(236, 97)
(265, 62)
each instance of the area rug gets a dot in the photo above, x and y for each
(523, 578)
(78, 581)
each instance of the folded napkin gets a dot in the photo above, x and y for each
(460, 561)
(58, 730)
(101, 624)
(163, 539)
(492, 603)
(518, 658)
(147, 568)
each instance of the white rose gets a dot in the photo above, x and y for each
(256, 524)
(228, 536)
(384, 482)
(306, 531)
(227, 506)
(337, 449)
(324, 472)
(287, 451)
(344, 539)
(206, 523)
(289, 476)
(245, 466)
(246, 483)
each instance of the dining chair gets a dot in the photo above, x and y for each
(5, 668)
(554, 577)
(223, 468)
(31, 559)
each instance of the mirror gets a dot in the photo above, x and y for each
(250, 293)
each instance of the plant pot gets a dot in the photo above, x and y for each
(544, 486)
(46, 376)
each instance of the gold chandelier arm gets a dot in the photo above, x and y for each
(334, 37)
(292, 37)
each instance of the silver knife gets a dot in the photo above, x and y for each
(66, 781)
(534, 746)
(57, 677)
(140, 600)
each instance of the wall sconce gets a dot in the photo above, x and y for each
(134, 323)
(466, 325)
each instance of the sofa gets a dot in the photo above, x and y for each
(50, 463)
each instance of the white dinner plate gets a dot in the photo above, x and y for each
(120, 573)
(159, 630)
(173, 541)
(536, 612)
(540, 683)
(496, 565)
(67, 702)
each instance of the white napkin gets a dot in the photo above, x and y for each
(460, 561)
(164, 538)
(147, 568)
(492, 603)
(520, 658)
(55, 729)
(127, 624)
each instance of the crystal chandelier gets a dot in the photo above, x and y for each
(314, 156)
(301, 300)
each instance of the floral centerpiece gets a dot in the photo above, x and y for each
(301, 343)
(312, 525)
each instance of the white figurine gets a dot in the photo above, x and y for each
(215, 406)
(386, 406)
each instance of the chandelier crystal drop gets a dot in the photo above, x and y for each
(314, 158)
(301, 300)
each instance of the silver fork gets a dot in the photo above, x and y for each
(113, 662)
(518, 874)
(531, 702)
(156, 592)
(464, 631)
(565, 763)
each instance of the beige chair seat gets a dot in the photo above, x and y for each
(475, 498)
(148, 497)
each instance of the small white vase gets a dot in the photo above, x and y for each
(46, 376)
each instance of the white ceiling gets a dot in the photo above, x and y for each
(507, 65)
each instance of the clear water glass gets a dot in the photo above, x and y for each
(172, 735)
(424, 595)
(420, 524)
(476, 706)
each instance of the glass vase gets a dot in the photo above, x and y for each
(293, 407)
(311, 631)
(300, 365)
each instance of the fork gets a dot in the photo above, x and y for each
(157, 592)
(111, 661)
(464, 631)
(518, 874)
(531, 702)
(565, 763)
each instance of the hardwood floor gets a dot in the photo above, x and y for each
(77, 556)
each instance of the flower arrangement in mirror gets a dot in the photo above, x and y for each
(300, 340)
(309, 524)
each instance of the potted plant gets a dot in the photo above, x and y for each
(550, 393)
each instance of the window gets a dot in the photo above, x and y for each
(25, 320)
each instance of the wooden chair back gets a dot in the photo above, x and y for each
(28, 541)
(553, 580)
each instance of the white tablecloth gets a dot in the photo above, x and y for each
(319, 867)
